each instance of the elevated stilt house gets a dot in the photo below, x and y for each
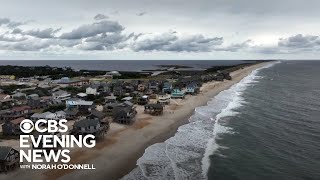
(154, 109)
(9, 158)
(177, 93)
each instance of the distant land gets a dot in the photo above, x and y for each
(125, 65)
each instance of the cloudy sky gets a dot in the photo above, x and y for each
(162, 29)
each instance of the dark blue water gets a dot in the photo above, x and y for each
(125, 65)
(276, 133)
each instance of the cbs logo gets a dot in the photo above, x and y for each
(26, 126)
(52, 126)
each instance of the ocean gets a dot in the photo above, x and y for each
(124, 65)
(267, 126)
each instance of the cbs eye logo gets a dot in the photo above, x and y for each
(26, 126)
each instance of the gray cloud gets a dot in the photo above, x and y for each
(4, 21)
(105, 35)
(300, 41)
(100, 17)
(38, 44)
(141, 13)
(10, 24)
(26, 45)
(43, 34)
(172, 42)
(291, 45)
(107, 41)
(14, 24)
(111, 38)
(89, 30)
(115, 12)
(16, 31)
(6, 38)
(235, 47)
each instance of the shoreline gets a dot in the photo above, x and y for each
(117, 154)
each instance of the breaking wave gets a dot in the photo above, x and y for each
(186, 154)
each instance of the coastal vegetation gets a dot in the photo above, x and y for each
(58, 72)
(55, 108)
(52, 72)
(12, 88)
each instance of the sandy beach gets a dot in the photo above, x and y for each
(117, 154)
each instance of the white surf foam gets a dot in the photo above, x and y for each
(235, 100)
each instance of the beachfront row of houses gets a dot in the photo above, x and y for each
(90, 105)
(116, 96)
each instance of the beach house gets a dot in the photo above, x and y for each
(79, 104)
(110, 99)
(124, 114)
(92, 90)
(153, 109)
(118, 91)
(71, 114)
(15, 112)
(12, 128)
(141, 87)
(143, 100)
(153, 86)
(61, 95)
(163, 98)
(36, 102)
(167, 87)
(96, 115)
(66, 81)
(9, 158)
(177, 93)
(89, 126)
(192, 89)
(19, 96)
(48, 116)
(109, 107)
(5, 101)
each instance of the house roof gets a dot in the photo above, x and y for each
(86, 123)
(72, 112)
(59, 93)
(18, 94)
(111, 97)
(33, 95)
(6, 100)
(46, 97)
(45, 115)
(3, 96)
(154, 106)
(79, 102)
(128, 103)
(127, 98)
(21, 108)
(94, 86)
(17, 121)
(121, 109)
(111, 105)
(4, 111)
(82, 94)
(4, 151)
(98, 114)
(61, 113)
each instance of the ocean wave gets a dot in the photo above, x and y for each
(186, 154)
